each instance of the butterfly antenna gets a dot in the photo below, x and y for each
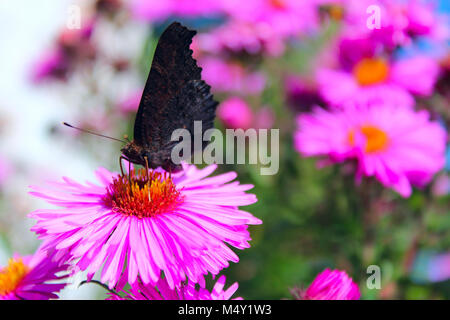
(91, 132)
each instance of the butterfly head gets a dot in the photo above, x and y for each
(135, 153)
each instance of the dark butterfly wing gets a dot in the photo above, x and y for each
(172, 69)
(194, 102)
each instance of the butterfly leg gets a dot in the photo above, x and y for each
(129, 171)
(148, 178)
(120, 164)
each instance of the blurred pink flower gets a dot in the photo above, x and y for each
(72, 46)
(131, 102)
(264, 118)
(32, 277)
(158, 10)
(5, 170)
(375, 80)
(401, 21)
(302, 95)
(283, 17)
(398, 146)
(162, 291)
(51, 64)
(238, 36)
(330, 285)
(180, 225)
(417, 74)
(231, 77)
(235, 113)
(441, 187)
(439, 267)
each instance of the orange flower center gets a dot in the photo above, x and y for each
(371, 71)
(336, 12)
(376, 139)
(11, 275)
(146, 196)
(278, 4)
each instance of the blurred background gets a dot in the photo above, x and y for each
(86, 62)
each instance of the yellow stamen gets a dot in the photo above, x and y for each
(143, 198)
(11, 275)
(371, 71)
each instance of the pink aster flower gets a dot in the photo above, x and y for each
(157, 10)
(398, 146)
(284, 17)
(401, 21)
(301, 95)
(162, 291)
(241, 36)
(32, 277)
(180, 224)
(330, 285)
(231, 77)
(51, 64)
(375, 80)
(235, 113)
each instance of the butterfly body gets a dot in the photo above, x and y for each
(174, 97)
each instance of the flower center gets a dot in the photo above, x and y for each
(278, 4)
(145, 196)
(370, 71)
(376, 139)
(11, 275)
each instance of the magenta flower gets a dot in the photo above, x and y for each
(235, 113)
(330, 285)
(32, 277)
(375, 80)
(301, 95)
(283, 17)
(157, 10)
(180, 225)
(51, 64)
(231, 77)
(241, 36)
(400, 23)
(398, 146)
(162, 291)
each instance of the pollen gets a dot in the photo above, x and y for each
(142, 195)
(371, 71)
(11, 275)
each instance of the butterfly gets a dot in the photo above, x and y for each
(174, 97)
